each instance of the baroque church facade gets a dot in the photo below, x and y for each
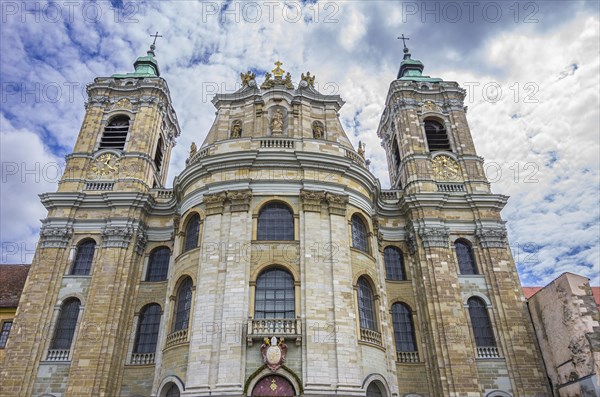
(276, 265)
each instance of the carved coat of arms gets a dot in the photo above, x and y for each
(273, 352)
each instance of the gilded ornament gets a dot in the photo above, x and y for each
(106, 164)
(247, 77)
(278, 71)
(445, 168)
(309, 79)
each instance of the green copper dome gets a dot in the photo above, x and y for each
(412, 69)
(145, 66)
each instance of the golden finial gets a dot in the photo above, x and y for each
(278, 72)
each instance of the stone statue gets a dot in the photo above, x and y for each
(236, 130)
(268, 83)
(317, 130)
(361, 149)
(277, 122)
(193, 149)
(288, 81)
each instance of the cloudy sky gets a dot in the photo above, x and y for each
(531, 70)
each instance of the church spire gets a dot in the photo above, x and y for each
(412, 69)
(145, 66)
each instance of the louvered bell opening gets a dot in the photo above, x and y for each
(158, 157)
(437, 137)
(115, 134)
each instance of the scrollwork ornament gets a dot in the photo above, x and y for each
(55, 236)
(435, 237)
(492, 237)
(116, 236)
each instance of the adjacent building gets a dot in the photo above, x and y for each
(12, 280)
(567, 323)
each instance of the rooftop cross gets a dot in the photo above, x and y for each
(403, 40)
(155, 37)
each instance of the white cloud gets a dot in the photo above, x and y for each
(349, 48)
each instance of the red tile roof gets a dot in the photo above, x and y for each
(12, 281)
(530, 291)
(596, 293)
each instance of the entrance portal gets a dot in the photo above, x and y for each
(273, 385)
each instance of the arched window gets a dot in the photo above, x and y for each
(394, 264)
(147, 330)
(396, 154)
(480, 321)
(183, 305)
(158, 264)
(115, 133)
(437, 137)
(275, 222)
(65, 325)
(366, 305)
(404, 330)
(274, 297)
(359, 234)
(158, 156)
(192, 230)
(83, 258)
(374, 391)
(464, 255)
(172, 391)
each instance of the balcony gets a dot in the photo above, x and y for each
(177, 337)
(261, 328)
(277, 143)
(142, 359)
(58, 355)
(370, 336)
(451, 187)
(488, 352)
(407, 357)
(99, 186)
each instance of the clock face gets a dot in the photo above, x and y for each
(445, 168)
(106, 164)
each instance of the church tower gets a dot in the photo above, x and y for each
(127, 134)
(69, 337)
(465, 296)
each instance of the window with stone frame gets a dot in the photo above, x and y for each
(480, 322)
(172, 391)
(404, 330)
(359, 234)
(183, 305)
(84, 256)
(65, 325)
(374, 391)
(275, 222)
(147, 330)
(275, 295)
(394, 264)
(4, 332)
(366, 305)
(192, 232)
(158, 264)
(465, 257)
